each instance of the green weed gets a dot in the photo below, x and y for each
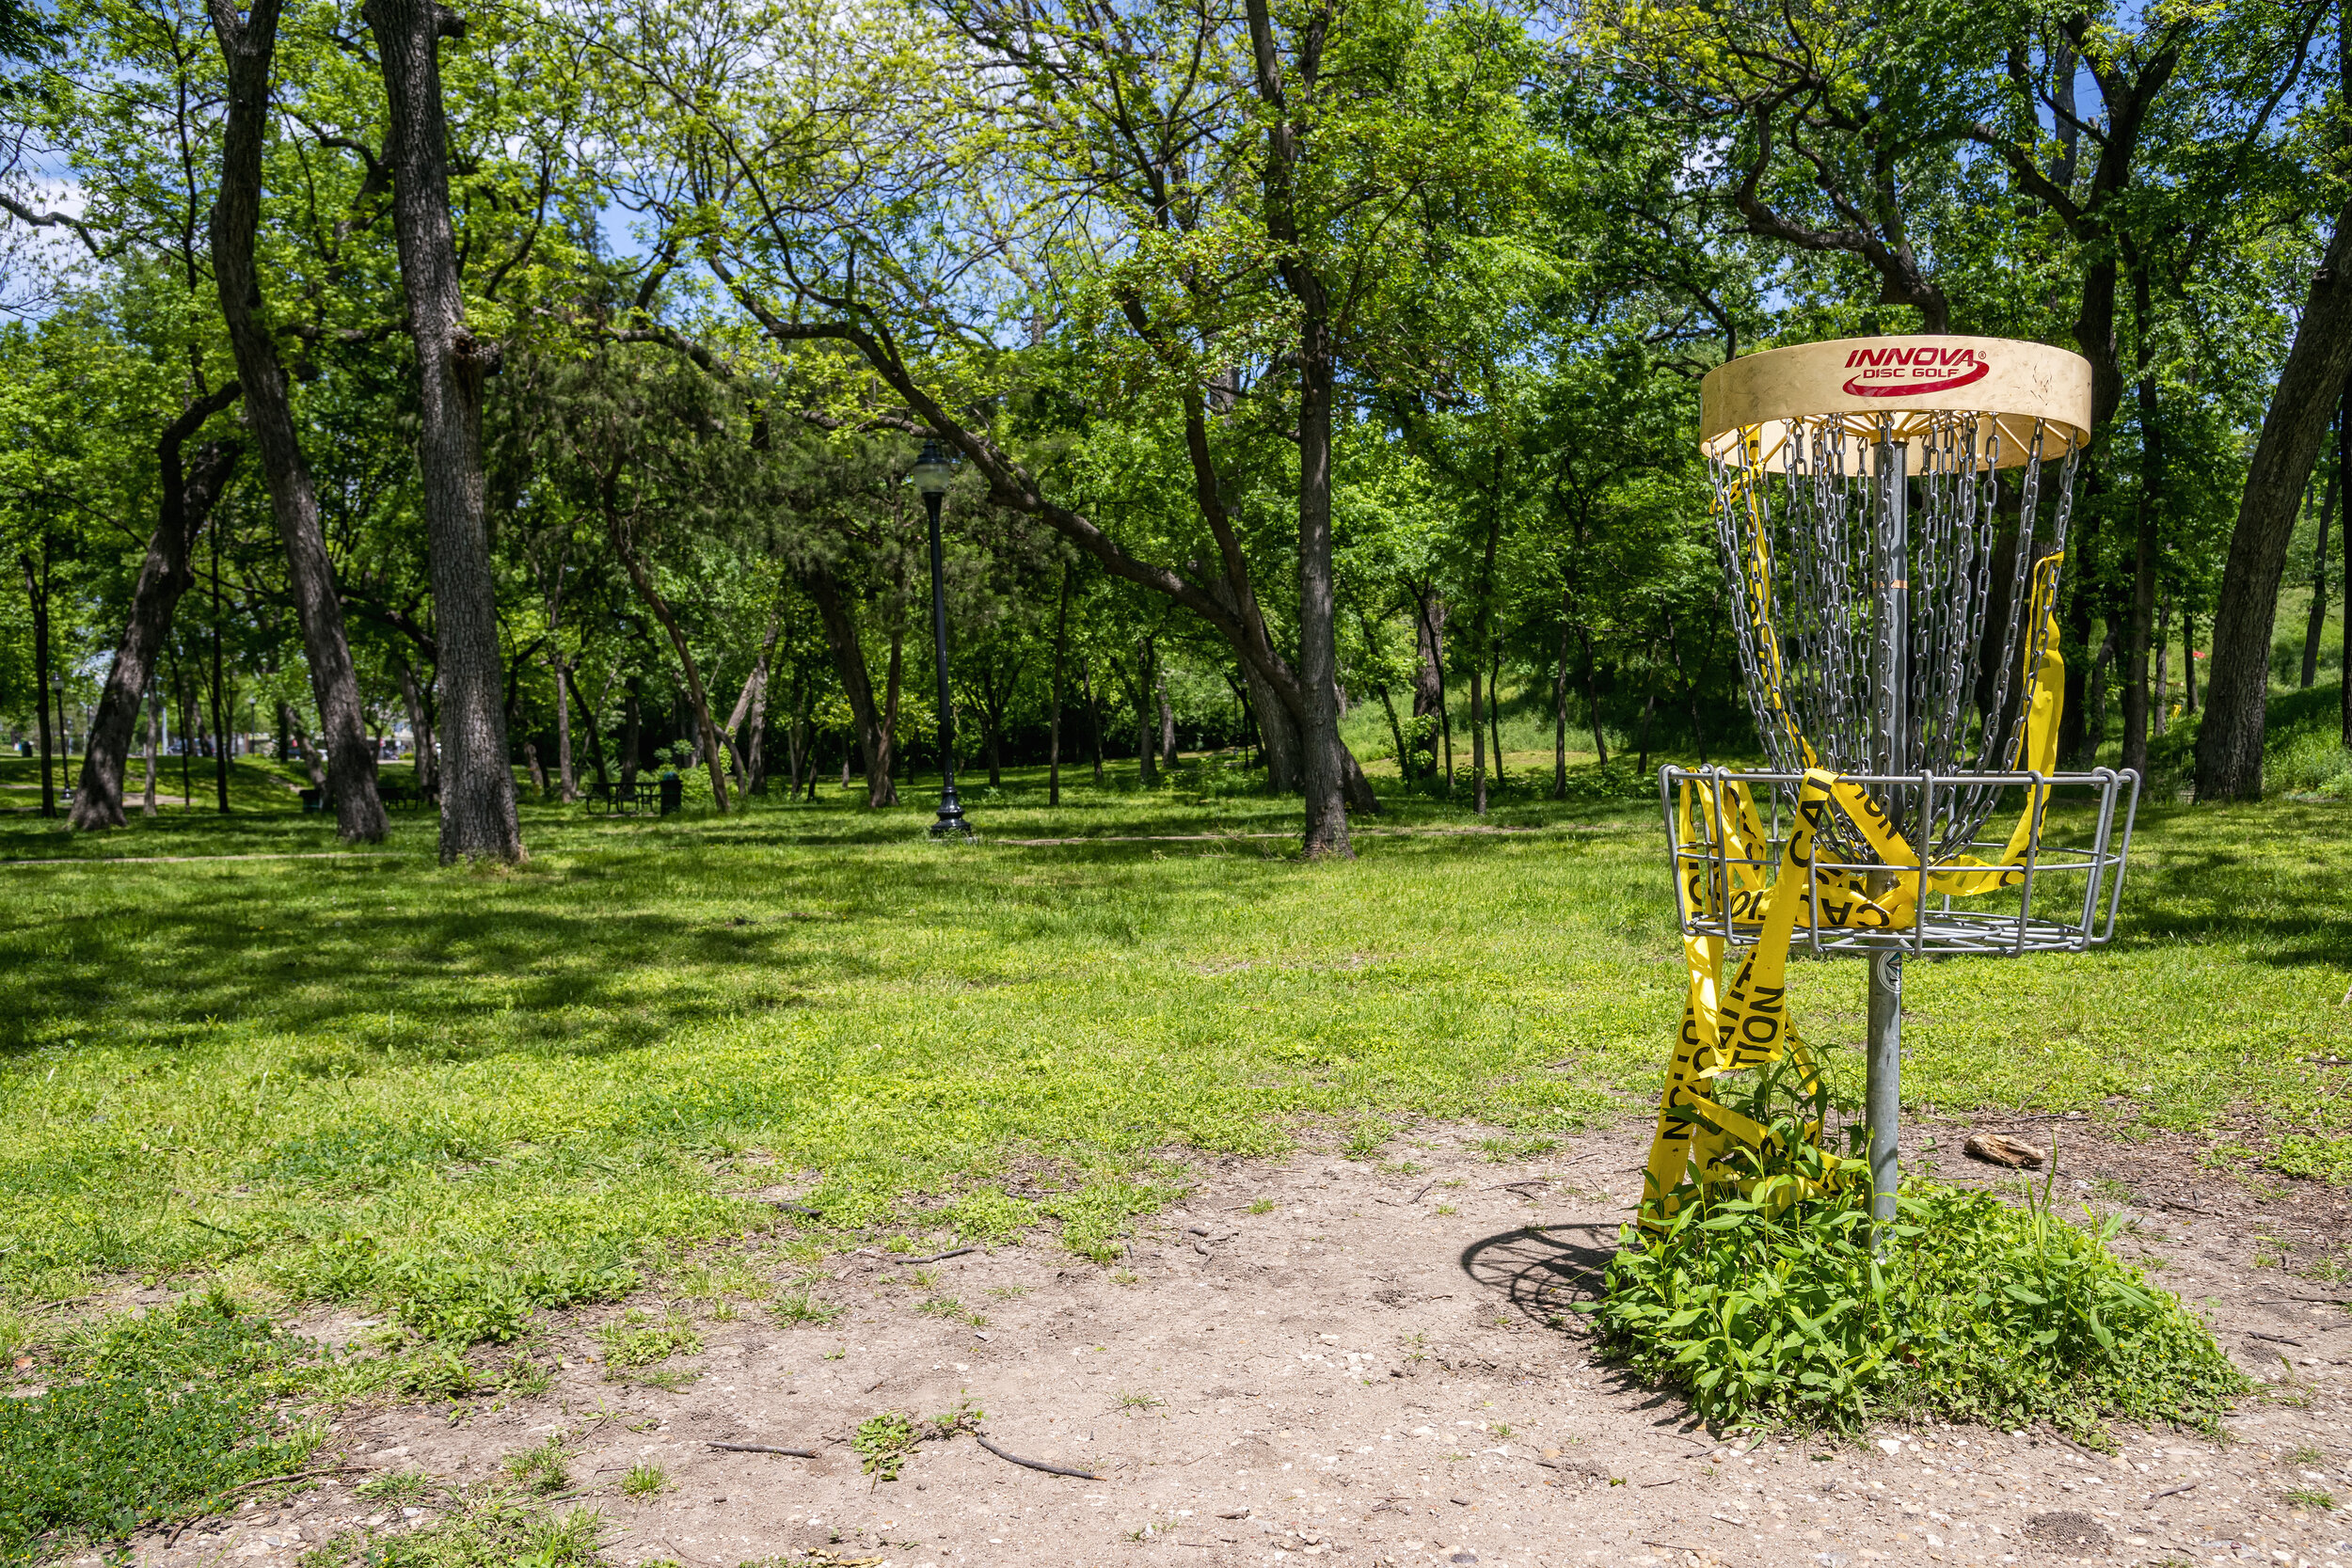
(397, 1488)
(801, 1307)
(645, 1481)
(639, 1340)
(883, 1442)
(1975, 1311)
(488, 1529)
(2307, 1498)
(541, 1467)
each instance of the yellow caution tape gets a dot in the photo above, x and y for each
(1721, 858)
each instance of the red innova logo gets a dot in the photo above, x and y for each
(1898, 372)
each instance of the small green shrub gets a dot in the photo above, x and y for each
(147, 1418)
(1976, 1310)
(637, 1341)
(883, 1443)
(645, 1481)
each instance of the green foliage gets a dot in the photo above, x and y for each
(883, 1443)
(1975, 1310)
(488, 1528)
(639, 1340)
(644, 1480)
(147, 1418)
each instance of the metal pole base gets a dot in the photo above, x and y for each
(1882, 1093)
(950, 823)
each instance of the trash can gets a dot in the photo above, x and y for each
(672, 793)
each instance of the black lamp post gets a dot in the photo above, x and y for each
(930, 475)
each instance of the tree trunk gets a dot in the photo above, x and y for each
(1560, 720)
(290, 724)
(2159, 711)
(478, 810)
(419, 728)
(1053, 696)
(2229, 743)
(1429, 652)
(186, 501)
(849, 657)
(36, 593)
(248, 47)
(1169, 755)
(2095, 733)
(154, 748)
(752, 703)
(1147, 760)
(1478, 739)
(1494, 713)
(713, 751)
(2315, 625)
(220, 723)
(2189, 662)
(566, 779)
(592, 717)
(1592, 697)
(1094, 716)
(632, 728)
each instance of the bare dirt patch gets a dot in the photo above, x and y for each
(1382, 1365)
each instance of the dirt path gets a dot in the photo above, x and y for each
(1382, 1369)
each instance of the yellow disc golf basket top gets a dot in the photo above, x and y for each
(1893, 516)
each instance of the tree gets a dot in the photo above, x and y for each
(249, 46)
(478, 807)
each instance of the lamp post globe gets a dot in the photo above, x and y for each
(932, 471)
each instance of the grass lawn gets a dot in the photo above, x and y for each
(457, 1095)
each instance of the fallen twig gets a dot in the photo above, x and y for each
(2274, 1338)
(797, 1209)
(2171, 1490)
(1423, 1193)
(936, 1257)
(1035, 1463)
(2086, 1453)
(763, 1448)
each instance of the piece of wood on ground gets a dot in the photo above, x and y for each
(1998, 1149)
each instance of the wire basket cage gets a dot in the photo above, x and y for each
(2053, 885)
(1891, 574)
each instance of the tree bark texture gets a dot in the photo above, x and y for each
(188, 497)
(849, 658)
(478, 810)
(2229, 742)
(2315, 625)
(248, 48)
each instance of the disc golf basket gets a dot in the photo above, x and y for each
(1892, 516)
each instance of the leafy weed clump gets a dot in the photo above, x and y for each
(1975, 1310)
(147, 1418)
(636, 1340)
(488, 1529)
